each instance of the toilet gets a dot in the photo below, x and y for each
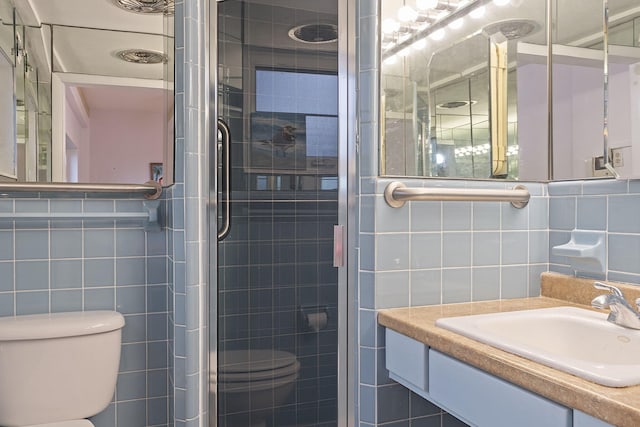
(58, 369)
(256, 381)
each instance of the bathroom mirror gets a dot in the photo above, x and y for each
(452, 76)
(464, 89)
(93, 90)
(580, 87)
(623, 87)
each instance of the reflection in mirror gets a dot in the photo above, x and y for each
(624, 87)
(579, 81)
(93, 81)
(459, 94)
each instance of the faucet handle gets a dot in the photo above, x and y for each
(606, 287)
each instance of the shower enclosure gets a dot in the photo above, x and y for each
(278, 313)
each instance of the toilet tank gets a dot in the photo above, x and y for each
(59, 366)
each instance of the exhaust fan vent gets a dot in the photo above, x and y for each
(141, 56)
(513, 29)
(455, 104)
(147, 6)
(314, 33)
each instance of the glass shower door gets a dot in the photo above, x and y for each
(277, 297)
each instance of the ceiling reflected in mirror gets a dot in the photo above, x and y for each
(93, 46)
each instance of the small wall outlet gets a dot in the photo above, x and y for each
(617, 157)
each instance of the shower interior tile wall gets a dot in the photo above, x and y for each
(73, 265)
(277, 258)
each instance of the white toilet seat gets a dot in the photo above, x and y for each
(70, 423)
(256, 369)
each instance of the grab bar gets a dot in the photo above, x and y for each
(397, 193)
(151, 189)
(149, 215)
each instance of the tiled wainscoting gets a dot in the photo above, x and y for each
(50, 265)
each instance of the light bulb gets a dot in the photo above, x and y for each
(419, 45)
(390, 26)
(404, 52)
(391, 60)
(407, 14)
(478, 13)
(456, 24)
(438, 34)
(426, 4)
(501, 2)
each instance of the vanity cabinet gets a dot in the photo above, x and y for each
(580, 419)
(470, 394)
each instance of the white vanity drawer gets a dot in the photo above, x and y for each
(407, 359)
(580, 419)
(486, 401)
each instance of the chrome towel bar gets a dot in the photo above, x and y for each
(397, 193)
(151, 189)
(149, 215)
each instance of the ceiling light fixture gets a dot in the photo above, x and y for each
(478, 12)
(390, 26)
(142, 56)
(438, 34)
(407, 14)
(420, 44)
(426, 4)
(316, 33)
(429, 19)
(147, 6)
(457, 24)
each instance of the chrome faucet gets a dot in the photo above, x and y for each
(621, 311)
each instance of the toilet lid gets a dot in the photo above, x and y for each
(256, 365)
(71, 423)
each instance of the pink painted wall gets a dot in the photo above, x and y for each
(123, 143)
(532, 121)
(577, 117)
(78, 132)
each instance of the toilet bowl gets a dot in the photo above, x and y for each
(256, 382)
(73, 423)
(58, 369)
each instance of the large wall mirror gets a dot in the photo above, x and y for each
(465, 88)
(86, 91)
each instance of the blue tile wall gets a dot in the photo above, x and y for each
(188, 240)
(433, 253)
(604, 205)
(53, 265)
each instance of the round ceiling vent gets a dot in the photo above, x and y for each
(513, 29)
(142, 56)
(455, 104)
(314, 33)
(147, 6)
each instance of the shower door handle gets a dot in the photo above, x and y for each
(224, 147)
(338, 246)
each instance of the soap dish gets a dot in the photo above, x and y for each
(585, 251)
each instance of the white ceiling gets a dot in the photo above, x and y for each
(87, 34)
(102, 14)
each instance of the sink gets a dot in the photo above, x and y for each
(575, 340)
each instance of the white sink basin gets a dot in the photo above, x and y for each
(570, 339)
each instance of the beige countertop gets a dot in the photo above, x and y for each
(617, 406)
